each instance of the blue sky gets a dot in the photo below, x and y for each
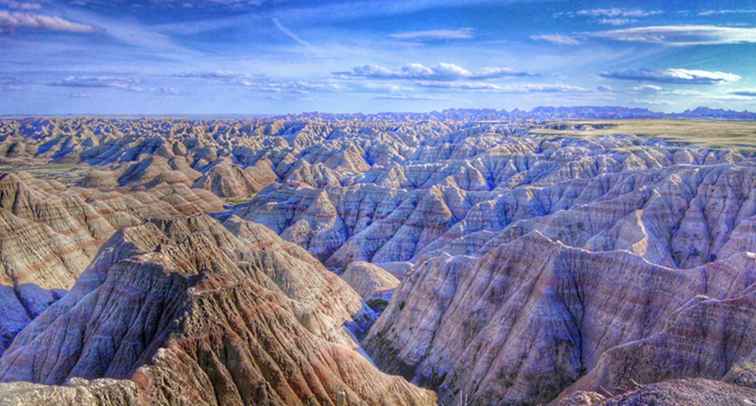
(279, 56)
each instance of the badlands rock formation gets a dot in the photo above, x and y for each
(49, 233)
(372, 282)
(194, 314)
(510, 266)
(99, 392)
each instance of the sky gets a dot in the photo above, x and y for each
(290, 56)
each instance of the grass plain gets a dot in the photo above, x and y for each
(712, 134)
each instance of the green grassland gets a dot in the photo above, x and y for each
(714, 134)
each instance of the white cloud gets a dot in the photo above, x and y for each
(20, 5)
(435, 35)
(617, 12)
(440, 72)
(681, 35)
(215, 75)
(617, 21)
(409, 97)
(286, 86)
(492, 87)
(11, 21)
(294, 37)
(706, 13)
(648, 88)
(674, 76)
(558, 39)
(113, 82)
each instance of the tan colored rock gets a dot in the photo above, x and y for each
(227, 180)
(77, 392)
(372, 282)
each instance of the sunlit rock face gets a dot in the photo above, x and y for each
(49, 233)
(247, 261)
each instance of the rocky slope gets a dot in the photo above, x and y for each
(515, 267)
(194, 314)
(529, 318)
(372, 282)
(49, 233)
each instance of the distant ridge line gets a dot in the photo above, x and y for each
(543, 113)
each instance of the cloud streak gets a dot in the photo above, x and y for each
(12, 21)
(99, 82)
(745, 93)
(681, 35)
(492, 87)
(558, 39)
(617, 12)
(674, 76)
(20, 5)
(440, 72)
(294, 37)
(435, 35)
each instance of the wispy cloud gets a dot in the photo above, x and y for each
(296, 87)
(294, 37)
(617, 12)
(440, 72)
(674, 76)
(12, 21)
(112, 82)
(648, 89)
(745, 93)
(558, 39)
(8, 84)
(266, 84)
(492, 87)
(610, 16)
(215, 75)
(706, 13)
(78, 95)
(20, 5)
(617, 21)
(131, 32)
(435, 35)
(408, 97)
(681, 35)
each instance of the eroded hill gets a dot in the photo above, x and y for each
(201, 261)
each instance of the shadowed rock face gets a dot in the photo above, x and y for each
(194, 314)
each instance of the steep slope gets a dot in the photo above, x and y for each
(228, 180)
(195, 315)
(372, 282)
(50, 233)
(531, 317)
